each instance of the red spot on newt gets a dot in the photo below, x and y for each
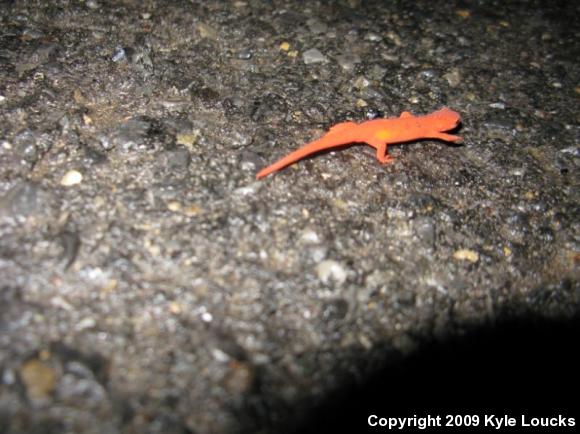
(377, 133)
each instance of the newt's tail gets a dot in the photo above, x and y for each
(328, 141)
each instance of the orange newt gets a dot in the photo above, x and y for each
(378, 133)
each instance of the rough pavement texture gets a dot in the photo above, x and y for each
(149, 284)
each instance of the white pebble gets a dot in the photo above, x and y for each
(220, 355)
(72, 177)
(373, 37)
(329, 269)
(348, 61)
(313, 56)
(497, 105)
(309, 236)
(86, 323)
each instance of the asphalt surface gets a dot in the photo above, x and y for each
(149, 283)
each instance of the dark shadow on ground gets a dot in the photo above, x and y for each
(527, 367)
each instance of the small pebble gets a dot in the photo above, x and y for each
(497, 105)
(187, 139)
(220, 355)
(245, 54)
(373, 37)
(453, 77)
(22, 201)
(498, 130)
(348, 61)
(316, 252)
(130, 133)
(28, 145)
(313, 56)
(72, 177)
(463, 13)
(331, 270)
(309, 236)
(466, 255)
(428, 74)
(174, 206)
(119, 55)
(361, 82)
(8, 377)
(38, 378)
(377, 72)
(572, 150)
(395, 38)
(316, 26)
(372, 113)
(425, 230)
(335, 309)
(239, 378)
(86, 323)
(206, 31)
(175, 308)
(32, 34)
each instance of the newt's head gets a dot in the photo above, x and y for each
(445, 119)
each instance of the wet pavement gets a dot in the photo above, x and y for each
(149, 283)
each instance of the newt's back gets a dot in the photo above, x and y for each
(408, 127)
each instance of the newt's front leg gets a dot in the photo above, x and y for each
(447, 137)
(382, 154)
(383, 157)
